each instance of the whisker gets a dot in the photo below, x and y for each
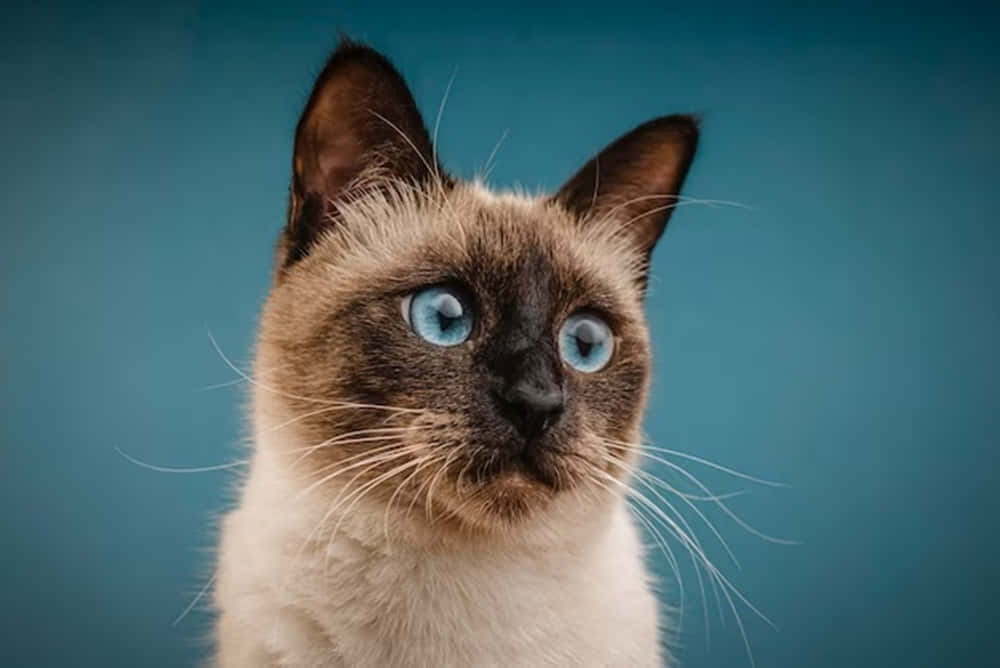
(678, 199)
(659, 209)
(397, 450)
(437, 122)
(180, 469)
(725, 508)
(597, 182)
(674, 564)
(417, 495)
(662, 543)
(435, 171)
(400, 488)
(330, 409)
(715, 590)
(405, 138)
(360, 493)
(739, 624)
(264, 387)
(430, 489)
(700, 460)
(712, 498)
(236, 381)
(354, 438)
(470, 458)
(219, 386)
(712, 568)
(641, 477)
(371, 463)
(716, 575)
(459, 486)
(194, 601)
(488, 166)
(671, 528)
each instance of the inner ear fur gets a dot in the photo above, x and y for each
(635, 181)
(360, 122)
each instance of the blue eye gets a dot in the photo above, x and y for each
(586, 342)
(439, 314)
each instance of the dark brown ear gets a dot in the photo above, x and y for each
(635, 182)
(360, 117)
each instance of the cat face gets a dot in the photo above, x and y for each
(430, 343)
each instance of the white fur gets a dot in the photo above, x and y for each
(577, 598)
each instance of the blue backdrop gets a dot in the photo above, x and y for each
(840, 335)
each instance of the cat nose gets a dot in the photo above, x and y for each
(532, 407)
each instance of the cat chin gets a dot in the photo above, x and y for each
(514, 485)
(515, 495)
(531, 467)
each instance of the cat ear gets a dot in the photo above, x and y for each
(360, 121)
(634, 183)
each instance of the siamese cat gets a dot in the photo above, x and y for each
(447, 392)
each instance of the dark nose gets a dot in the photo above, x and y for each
(531, 407)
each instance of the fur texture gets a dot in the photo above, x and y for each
(395, 514)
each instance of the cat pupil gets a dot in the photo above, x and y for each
(445, 322)
(448, 311)
(586, 336)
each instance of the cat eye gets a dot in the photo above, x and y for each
(439, 314)
(586, 342)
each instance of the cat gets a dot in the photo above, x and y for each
(447, 392)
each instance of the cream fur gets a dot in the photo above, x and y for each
(366, 601)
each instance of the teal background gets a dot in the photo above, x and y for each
(840, 336)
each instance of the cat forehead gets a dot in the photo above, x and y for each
(413, 235)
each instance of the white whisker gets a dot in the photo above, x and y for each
(710, 567)
(287, 395)
(643, 477)
(488, 166)
(399, 488)
(437, 122)
(725, 508)
(180, 469)
(396, 411)
(397, 450)
(194, 601)
(360, 493)
(704, 462)
(354, 438)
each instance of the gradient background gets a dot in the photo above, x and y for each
(841, 336)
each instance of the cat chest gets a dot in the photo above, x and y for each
(391, 612)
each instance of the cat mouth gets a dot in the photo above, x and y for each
(513, 485)
(536, 465)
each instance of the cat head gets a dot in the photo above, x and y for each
(429, 343)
